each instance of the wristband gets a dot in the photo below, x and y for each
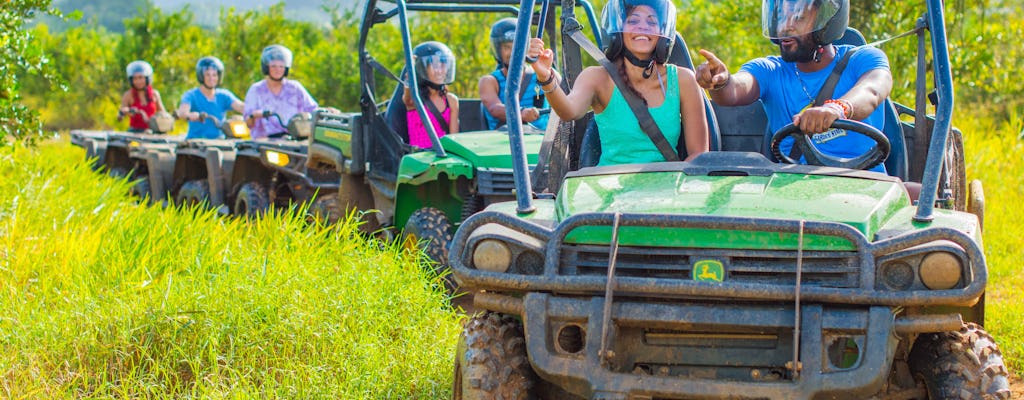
(723, 85)
(551, 78)
(843, 106)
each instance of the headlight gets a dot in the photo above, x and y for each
(276, 158)
(940, 270)
(239, 129)
(492, 255)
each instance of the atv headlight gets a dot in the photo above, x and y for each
(276, 158)
(238, 129)
(940, 270)
(492, 255)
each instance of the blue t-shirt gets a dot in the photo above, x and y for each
(526, 101)
(786, 92)
(217, 107)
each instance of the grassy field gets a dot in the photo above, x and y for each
(105, 298)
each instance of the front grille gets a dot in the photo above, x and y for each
(495, 181)
(819, 268)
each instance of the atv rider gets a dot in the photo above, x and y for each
(641, 32)
(492, 86)
(275, 94)
(141, 101)
(789, 84)
(435, 69)
(208, 99)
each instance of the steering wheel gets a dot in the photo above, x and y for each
(874, 156)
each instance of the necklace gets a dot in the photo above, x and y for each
(803, 87)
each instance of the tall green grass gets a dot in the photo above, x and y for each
(995, 155)
(103, 298)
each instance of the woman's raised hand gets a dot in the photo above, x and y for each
(544, 58)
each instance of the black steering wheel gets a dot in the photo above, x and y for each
(874, 156)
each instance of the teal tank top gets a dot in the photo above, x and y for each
(622, 140)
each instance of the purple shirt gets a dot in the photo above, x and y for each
(292, 100)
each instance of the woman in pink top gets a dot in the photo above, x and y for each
(435, 68)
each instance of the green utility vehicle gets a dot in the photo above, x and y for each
(421, 192)
(733, 277)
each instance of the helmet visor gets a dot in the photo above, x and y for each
(791, 18)
(651, 17)
(438, 67)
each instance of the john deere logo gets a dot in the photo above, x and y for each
(708, 271)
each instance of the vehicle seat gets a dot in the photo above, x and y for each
(471, 116)
(395, 114)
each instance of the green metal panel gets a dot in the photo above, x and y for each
(863, 204)
(336, 138)
(489, 149)
(425, 166)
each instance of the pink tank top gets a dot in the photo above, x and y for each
(418, 135)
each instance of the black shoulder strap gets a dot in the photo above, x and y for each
(833, 79)
(437, 114)
(826, 91)
(643, 115)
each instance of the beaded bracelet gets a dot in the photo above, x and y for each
(844, 106)
(550, 79)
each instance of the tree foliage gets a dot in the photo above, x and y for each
(19, 56)
(983, 54)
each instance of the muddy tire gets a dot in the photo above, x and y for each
(192, 193)
(324, 210)
(491, 361)
(141, 187)
(959, 365)
(954, 174)
(474, 203)
(252, 200)
(430, 227)
(976, 201)
(355, 196)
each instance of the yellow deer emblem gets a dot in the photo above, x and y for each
(708, 271)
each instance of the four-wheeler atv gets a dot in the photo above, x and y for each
(733, 277)
(132, 154)
(422, 193)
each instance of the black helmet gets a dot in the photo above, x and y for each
(139, 67)
(613, 23)
(828, 23)
(206, 63)
(503, 31)
(275, 52)
(433, 55)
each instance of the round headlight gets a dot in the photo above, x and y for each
(940, 270)
(897, 275)
(492, 255)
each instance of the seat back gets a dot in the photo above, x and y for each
(471, 117)
(395, 114)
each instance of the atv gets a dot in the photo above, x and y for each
(421, 193)
(733, 276)
(134, 155)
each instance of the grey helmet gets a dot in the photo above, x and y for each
(503, 31)
(615, 21)
(139, 67)
(275, 52)
(206, 63)
(829, 20)
(429, 55)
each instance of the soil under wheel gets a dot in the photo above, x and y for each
(252, 200)
(959, 365)
(193, 193)
(491, 361)
(324, 210)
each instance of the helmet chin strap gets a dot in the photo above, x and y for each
(817, 53)
(436, 86)
(647, 65)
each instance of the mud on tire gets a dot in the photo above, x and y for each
(141, 188)
(196, 191)
(252, 200)
(325, 209)
(491, 362)
(431, 227)
(958, 365)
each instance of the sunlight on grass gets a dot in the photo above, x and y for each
(106, 298)
(996, 156)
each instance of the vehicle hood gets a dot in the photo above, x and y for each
(489, 149)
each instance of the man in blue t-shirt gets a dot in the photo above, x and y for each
(492, 86)
(789, 84)
(207, 99)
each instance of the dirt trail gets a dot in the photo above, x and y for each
(1017, 387)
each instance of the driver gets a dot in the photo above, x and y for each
(789, 84)
(208, 98)
(492, 86)
(275, 94)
